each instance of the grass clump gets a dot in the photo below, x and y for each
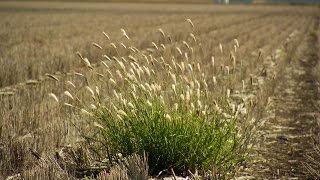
(164, 103)
(176, 139)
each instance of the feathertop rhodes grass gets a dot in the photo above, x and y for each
(166, 102)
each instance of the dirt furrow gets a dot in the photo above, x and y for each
(285, 138)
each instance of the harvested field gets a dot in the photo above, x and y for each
(255, 67)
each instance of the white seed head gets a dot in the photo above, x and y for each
(107, 57)
(191, 84)
(190, 67)
(142, 87)
(174, 89)
(79, 74)
(96, 45)
(214, 80)
(132, 58)
(176, 106)
(112, 81)
(183, 67)
(186, 44)
(243, 85)
(124, 46)
(162, 33)
(154, 45)
(52, 77)
(67, 104)
(125, 34)
(122, 113)
(194, 39)
(54, 97)
(187, 97)
(182, 97)
(115, 94)
(148, 87)
(162, 99)
(228, 93)
(68, 94)
(130, 105)
(147, 70)
(186, 56)
(97, 91)
(92, 106)
(227, 70)
(106, 35)
(212, 61)
(168, 117)
(83, 111)
(149, 103)
(220, 47)
(87, 63)
(119, 74)
(199, 104)
(132, 49)
(105, 64)
(95, 124)
(90, 90)
(237, 43)
(198, 93)
(113, 45)
(198, 66)
(179, 50)
(190, 22)
(71, 83)
(192, 106)
(174, 78)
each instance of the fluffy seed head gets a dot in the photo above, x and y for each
(112, 81)
(243, 85)
(212, 61)
(96, 45)
(228, 93)
(124, 46)
(52, 77)
(67, 104)
(98, 125)
(149, 103)
(122, 113)
(68, 94)
(186, 44)
(176, 106)
(162, 33)
(168, 117)
(220, 47)
(154, 45)
(179, 50)
(113, 45)
(193, 37)
(106, 35)
(83, 111)
(87, 63)
(71, 83)
(54, 97)
(190, 22)
(237, 43)
(125, 34)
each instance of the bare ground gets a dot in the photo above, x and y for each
(286, 136)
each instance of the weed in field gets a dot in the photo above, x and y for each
(165, 109)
